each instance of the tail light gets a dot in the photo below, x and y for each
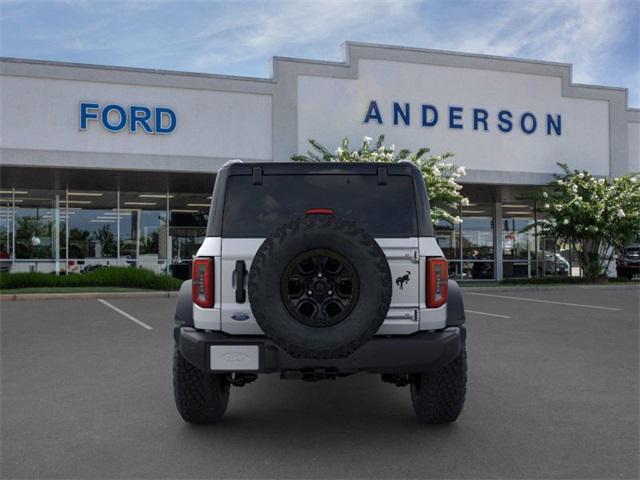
(320, 211)
(437, 282)
(202, 282)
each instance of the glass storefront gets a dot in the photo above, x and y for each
(469, 246)
(72, 231)
(504, 235)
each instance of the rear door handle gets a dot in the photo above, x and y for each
(240, 273)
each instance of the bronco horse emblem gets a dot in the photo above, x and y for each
(400, 281)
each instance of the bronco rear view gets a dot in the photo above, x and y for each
(317, 271)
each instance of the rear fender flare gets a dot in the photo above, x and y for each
(455, 305)
(184, 308)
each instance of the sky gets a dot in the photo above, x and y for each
(601, 38)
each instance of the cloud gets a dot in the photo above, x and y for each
(573, 31)
(599, 37)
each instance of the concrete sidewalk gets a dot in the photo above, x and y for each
(84, 295)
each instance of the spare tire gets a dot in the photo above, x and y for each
(320, 287)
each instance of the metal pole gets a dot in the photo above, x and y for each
(118, 226)
(535, 233)
(56, 233)
(13, 228)
(497, 241)
(66, 231)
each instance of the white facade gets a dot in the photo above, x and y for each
(218, 117)
(147, 144)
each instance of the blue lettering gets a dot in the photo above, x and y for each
(162, 112)
(425, 116)
(523, 123)
(373, 112)
(139, 115)
(557, 125)
(85, 114)
(504, 117)
(105, 118)
(455, 113)
(480, 115)
(399, 112)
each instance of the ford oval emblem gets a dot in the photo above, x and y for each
(240, 316)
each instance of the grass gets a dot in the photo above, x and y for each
(108, 277)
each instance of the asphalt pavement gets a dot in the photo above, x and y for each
(552, 393)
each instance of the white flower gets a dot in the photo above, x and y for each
(339, 151)
(354, 155)
(545, 195)
(367, 139)
(457, 220)
(464, 202)
(560, 182)
(565, 221)
(461, 171)
(621, 213)
(546, 205)
(581, 175)
(558, 207)
(634, 179)
(392, 148)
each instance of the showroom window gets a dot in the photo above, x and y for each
(77, 231)
(469, 246)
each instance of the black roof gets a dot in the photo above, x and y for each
(302, 168)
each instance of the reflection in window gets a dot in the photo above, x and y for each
(477, 232)
(92, 229)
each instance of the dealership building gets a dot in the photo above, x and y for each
(106, 165)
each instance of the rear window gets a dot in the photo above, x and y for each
(382, 210)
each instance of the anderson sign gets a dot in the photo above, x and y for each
(460, 118)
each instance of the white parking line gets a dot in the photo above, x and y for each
(542, 301)
(487, 314)
(125, 314)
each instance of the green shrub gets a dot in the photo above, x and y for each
(103, 277)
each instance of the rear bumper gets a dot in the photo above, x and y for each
(420, 352)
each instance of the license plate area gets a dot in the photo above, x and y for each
(234, 358)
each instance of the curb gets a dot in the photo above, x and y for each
(523, 288)
(84, 296)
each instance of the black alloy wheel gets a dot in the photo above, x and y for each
(320, 288)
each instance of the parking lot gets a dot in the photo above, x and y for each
(552, 393)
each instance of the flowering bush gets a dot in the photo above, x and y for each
(439, 175)
(594, 215)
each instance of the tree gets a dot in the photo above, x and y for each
(105, 237)
(438, 174)
(596, 216)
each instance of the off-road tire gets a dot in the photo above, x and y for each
(200, 397)
(438, 397)
(304, 235)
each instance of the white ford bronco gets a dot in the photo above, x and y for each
(318, 271)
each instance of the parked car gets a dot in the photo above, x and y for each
(5, 262)
(553, 264)
(628, 263)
